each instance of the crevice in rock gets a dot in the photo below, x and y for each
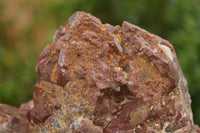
(108, 105)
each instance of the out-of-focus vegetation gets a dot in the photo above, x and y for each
(27, 26)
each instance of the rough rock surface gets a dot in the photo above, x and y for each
(99, 78)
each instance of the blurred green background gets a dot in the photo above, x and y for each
(26, 26)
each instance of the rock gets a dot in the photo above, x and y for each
(99, 78)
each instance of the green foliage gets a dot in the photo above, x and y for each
(175, 20)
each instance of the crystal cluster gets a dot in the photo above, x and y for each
(99, 78)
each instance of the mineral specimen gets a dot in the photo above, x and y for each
(99, 78)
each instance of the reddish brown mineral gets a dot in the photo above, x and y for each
(99, 78)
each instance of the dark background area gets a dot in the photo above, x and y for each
(27, 26)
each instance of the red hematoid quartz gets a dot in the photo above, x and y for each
(99, 78)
